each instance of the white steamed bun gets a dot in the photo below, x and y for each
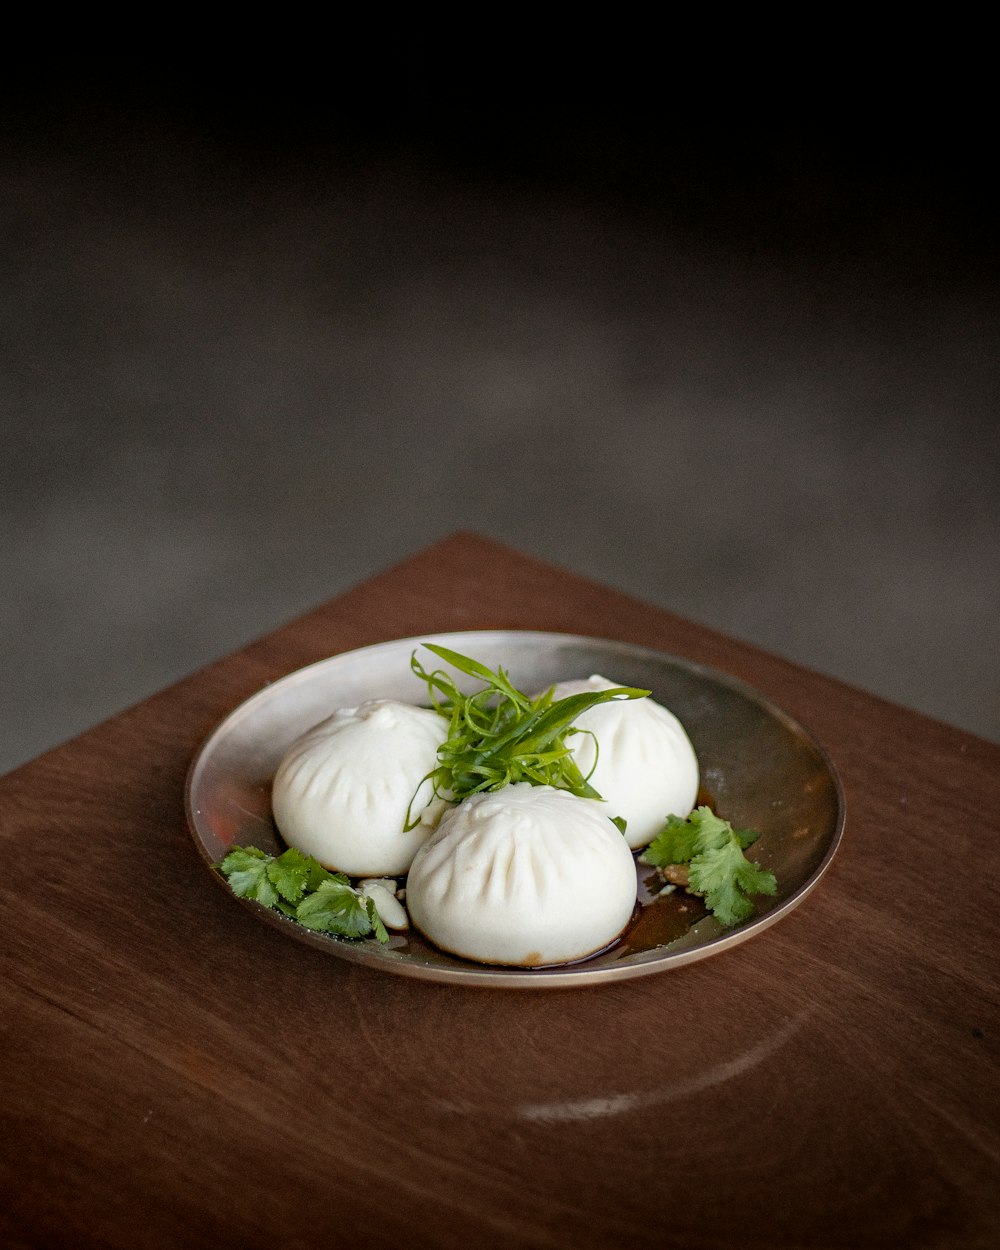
(342, 790)
(526, 876)
(646, 766)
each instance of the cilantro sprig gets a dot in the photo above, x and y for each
(717, 868)
(499, 735)
(301, 888)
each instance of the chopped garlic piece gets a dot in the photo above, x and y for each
(382, 893)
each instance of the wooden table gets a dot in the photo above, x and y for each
(177, 1074)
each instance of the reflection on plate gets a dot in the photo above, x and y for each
(759, 769)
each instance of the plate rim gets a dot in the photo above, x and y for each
(657, 960)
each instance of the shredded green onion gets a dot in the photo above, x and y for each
(499, 735)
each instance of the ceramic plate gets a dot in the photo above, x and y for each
(759, 769)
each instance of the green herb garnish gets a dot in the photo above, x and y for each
(717, 867)
(301, 888)
(499, 735)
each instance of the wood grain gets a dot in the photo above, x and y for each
(177, 1074)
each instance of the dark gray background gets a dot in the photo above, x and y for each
(736, 356)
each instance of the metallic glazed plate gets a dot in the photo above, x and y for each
(759, 769)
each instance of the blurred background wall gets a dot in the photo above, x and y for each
(719, 333)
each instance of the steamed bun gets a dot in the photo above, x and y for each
(646, 766)
(342, 790)
(526, 876)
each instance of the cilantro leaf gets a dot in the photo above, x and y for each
(245, 868)
(298, 886)
(293, 874)
(378, 928)
(718, 869)
(747, 837)
(675, 844)
(335, 908)
(724, 876)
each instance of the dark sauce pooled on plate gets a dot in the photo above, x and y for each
(657, 920)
